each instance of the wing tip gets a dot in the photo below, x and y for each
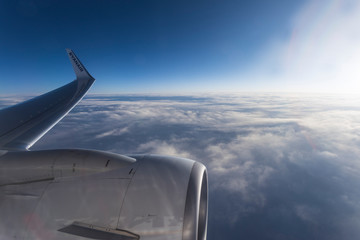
(68, 50)
(79, 69)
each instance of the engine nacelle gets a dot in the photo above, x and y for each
(63, 194)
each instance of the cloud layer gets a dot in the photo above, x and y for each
(280, 166)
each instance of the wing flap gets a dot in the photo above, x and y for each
(25, 123)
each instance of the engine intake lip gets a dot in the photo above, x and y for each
(196, 205)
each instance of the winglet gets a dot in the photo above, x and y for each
(79, 69)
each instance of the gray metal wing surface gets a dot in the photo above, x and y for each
(25, 123)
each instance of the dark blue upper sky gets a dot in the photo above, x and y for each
(138, 45)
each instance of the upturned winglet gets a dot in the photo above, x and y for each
(79, 69)
(25, 123)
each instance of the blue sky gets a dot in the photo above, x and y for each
(178, 46)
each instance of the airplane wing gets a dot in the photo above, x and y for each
(25, 123)
(73, 194)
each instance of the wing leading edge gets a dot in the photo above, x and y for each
(23, 124)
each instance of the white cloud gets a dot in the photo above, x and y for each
(163, 148)
(114, 132)
(307, 213)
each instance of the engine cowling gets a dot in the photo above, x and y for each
(63, 194)
(166, 199)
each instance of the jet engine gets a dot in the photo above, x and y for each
(67, 194)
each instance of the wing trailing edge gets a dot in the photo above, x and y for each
(23, 124)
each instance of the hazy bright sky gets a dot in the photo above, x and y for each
(142, 46)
